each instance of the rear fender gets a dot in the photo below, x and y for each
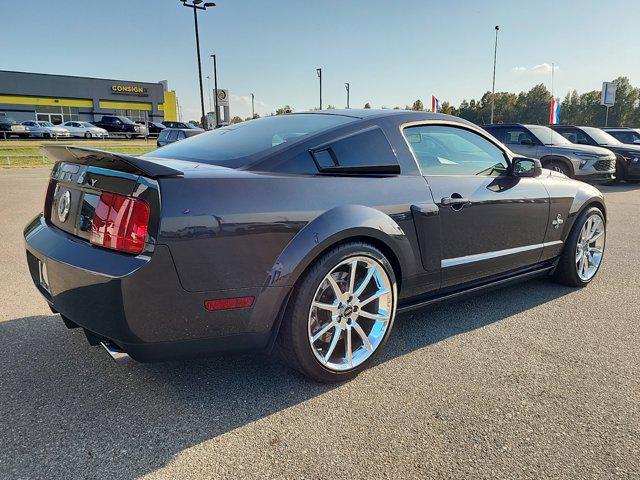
(335, 226)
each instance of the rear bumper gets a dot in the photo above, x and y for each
(138, 303)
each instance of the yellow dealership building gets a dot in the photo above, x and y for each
(61, 98)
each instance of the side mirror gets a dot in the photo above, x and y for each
(526, 141)
(526, 167)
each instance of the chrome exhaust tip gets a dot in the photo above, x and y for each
(115, 352)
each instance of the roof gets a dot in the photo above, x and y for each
(367, 113)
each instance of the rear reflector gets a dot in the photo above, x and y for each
(120, 223)
(228, 303)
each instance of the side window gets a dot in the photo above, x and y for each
(518, 136)
(163, 135)
(496, 132)
(367, 151)
(172, 136)
(445, 150)
(570, 135)
(181, 135)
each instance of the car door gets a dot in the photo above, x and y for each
(491, 222)
(521, 141)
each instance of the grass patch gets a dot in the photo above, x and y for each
(28, 153)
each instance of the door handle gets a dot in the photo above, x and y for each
(455, 201)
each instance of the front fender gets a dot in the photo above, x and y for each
(332, 227)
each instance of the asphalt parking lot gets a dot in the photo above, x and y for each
(531, 381)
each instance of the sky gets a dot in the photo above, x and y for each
(391, 52)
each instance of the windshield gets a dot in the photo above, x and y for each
(548, 136)
(45, 124)
(226, 145)
(601, 137)
(126, 120)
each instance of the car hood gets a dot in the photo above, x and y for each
(625, 149)
(581, 148)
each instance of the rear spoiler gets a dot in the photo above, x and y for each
(113, 161)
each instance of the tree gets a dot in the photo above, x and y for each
(283, 110)
(367, 105)
(417, 106)
(331, 107)
(236, 119)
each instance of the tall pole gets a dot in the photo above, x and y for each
(204, 116)
(210, 104)
(346, 85)
(215, 88)
(493, 88)
(253, 107)
(319, 72)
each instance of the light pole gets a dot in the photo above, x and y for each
(195, 5)
(493, 88)
(215, 88)
(253, 109)
(319, 72)
(346, 86)
(209, 93)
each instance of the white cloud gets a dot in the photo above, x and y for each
(543, 68)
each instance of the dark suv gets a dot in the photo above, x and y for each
(630, 136)
(582, 162)
(627, 156)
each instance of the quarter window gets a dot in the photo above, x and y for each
(444, 150)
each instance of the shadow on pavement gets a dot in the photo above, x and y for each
(69, 411)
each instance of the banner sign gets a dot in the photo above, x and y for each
(608, 96)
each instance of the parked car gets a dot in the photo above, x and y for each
(182, 125)
(170, 135)
(626, 135)
(583, 162)
(45, 130)
(306, 232)
(9, 127)
(85, 130)
(118, 125)
(154, 127)
(627, 156)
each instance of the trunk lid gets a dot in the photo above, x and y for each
(81, 175)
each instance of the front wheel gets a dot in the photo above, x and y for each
(340, 314)
(559, 167)
(583, 250)
(87, 135)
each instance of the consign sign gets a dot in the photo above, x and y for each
(129, 90)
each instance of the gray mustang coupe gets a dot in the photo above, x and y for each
(305, 233)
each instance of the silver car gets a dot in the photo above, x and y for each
(582, 162)
(45, 130)
(85, 130)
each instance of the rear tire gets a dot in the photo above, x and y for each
(583, 251)
(330, 356)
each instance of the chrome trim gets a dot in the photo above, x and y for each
(452, 262)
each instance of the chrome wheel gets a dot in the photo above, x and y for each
(590, 247)
(350, 313)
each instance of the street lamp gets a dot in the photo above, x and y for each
(319, 72)
(346, 86)
(195, 5)
(493, 89)
(215, 88)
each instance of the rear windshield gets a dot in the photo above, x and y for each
(227, 145)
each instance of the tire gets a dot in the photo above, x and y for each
(326, 359)
(87, 135)
(46, 135)
(129, 136)
(557, 166)
(568, 271)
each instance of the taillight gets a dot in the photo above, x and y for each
(120, 223)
